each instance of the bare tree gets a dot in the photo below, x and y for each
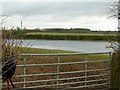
(115, 9)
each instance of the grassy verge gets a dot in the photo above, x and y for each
(42, 51)
(54, 51)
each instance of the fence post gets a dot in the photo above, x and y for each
(115, 72)
(24, 85)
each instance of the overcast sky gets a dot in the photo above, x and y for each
(93, 15)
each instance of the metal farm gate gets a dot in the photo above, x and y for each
(63, 71)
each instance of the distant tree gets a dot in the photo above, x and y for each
(24, 28)
(17, 28)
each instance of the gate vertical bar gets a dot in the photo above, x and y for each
(86, 65)
(58, 71)
(110, 57)
(24, 85)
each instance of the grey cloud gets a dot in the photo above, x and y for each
(59, 14)
(60, 9)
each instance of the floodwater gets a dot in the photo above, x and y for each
(77, 46)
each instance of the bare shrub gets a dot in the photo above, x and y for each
(10, 44)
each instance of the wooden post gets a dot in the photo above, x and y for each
(115, 72)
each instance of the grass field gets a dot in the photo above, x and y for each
(69, 36)
(54, 33)
(43, 35)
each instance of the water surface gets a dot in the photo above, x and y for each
(77, 46)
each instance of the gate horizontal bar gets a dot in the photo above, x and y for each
(56, 64)
(63, 54)
(44, 74)
(62, 79)
(69, 83)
